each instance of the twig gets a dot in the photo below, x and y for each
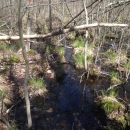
(111, 87)
(8, 110)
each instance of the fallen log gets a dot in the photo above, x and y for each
(62, 31)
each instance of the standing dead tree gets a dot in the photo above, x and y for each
(27, 68)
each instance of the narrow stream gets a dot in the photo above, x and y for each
(79, 111)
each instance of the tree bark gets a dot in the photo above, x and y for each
(27, 67)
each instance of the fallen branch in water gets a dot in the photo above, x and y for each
(62, 31)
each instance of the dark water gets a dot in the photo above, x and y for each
(71, 101)
(78, 110)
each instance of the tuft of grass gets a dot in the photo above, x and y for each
(113, 93)
(14, 59)
(89, 59)
(109, 106)
(32, 52)
(78, 43)
(108, 103)
(123, 57)
(37, 83)
(61, 53)
(79, 60)
(115, 77)
(114, 74)
(113, 58)
(127, 65)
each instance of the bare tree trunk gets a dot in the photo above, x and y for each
(27, 45)
(27, 68)
(50, 16)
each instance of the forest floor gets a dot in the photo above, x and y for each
(52, 107)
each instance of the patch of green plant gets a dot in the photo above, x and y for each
(61, 53)
(2, 46)
(19, 44)
(14, 59)
(110, 127)
(127, 119)
(78, 43)
(109, 52)
(37, 83)
(103, 92)
(113, 57)
(109, 106)
(90, 50)
(6, 68)
(72, 36)
(46, 29)
(2, 93)
(122, 120)
(32, 52)
(113, 93)
(79, 59)
(127, 65)
(89, 59)
(115, 77)
(47, 48)
(123, 57)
